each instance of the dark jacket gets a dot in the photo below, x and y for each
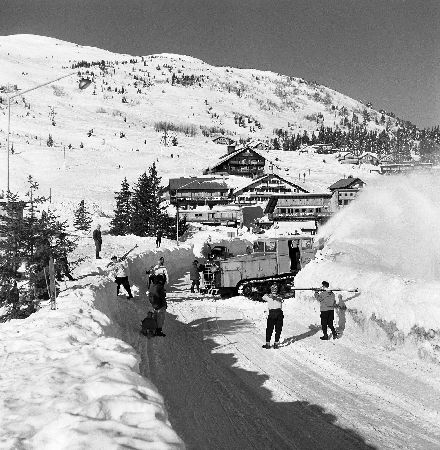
(97, 236)
(157, 296)
(194, 272)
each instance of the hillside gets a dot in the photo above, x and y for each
(107, 132)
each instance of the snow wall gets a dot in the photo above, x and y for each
(74, 379)
(387, 244)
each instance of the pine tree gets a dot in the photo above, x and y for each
(31, 237)
(148, 215)
(83, 220)
(120, 224)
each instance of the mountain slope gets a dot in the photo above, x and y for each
(107, 132)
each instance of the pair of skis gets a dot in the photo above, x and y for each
(322, 289)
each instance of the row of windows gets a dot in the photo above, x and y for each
(297, 210)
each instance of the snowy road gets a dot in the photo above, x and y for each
(223, 391)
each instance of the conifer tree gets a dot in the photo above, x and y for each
(120, 224)
(83, 220)
(30, 237)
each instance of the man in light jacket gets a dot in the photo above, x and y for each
(119, 271)
(275, 316)
(327, 301)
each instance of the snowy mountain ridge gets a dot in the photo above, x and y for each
(107, 132)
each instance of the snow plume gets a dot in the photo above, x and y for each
(387, 244)
(393, 225)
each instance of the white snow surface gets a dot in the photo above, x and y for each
(82, 377)
(387, 244)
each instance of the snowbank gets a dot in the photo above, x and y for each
(70, 380)
(387, 244)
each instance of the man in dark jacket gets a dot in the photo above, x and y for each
(158, 238)
(98, 240)
(157, 297)
(194, 276)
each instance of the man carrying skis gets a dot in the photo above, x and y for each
(327, 301)
(275, 316)
(119, 271)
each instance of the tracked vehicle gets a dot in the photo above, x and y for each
(271, 260)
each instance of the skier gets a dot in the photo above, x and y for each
(98, 240)
(158, 238)
(157, 297)
(327, 301)
(194, 276)
(160, 269)
(119, 271)
(275, 316)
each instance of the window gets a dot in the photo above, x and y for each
(258, 246)
(198, 214)
(271, 246)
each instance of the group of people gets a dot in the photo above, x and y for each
(275, 318)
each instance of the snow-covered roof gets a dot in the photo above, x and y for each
(345, 183)
(257, 180)
(197, 183)
(290, 228)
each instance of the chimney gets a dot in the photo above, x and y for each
(231, 148)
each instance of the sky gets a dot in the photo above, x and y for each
(383, 51)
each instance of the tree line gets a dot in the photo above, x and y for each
(139, 210)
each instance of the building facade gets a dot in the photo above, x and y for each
(303, 206)
(263, 188)
(192, 192)
(244, 162)
(345, 191)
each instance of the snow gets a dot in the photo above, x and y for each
(387, 243)
(82, 376)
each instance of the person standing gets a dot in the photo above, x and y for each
(194, 276)
(160, 269)
(327, 301)
(157, 297)
(275, 316)
(121, 277)
(97, 237)
(158, 238)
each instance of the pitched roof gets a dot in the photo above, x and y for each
(257, 180)
(345, 183)
(231, 155)
(195, 183)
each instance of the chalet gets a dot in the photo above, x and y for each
(324, 149)
(303, 206)
(224, 140)
(345, 191)
(348, 158)
(257, 145)
(387, 159)
(262, 188)
(197, 191)
(243, 162)
(369, 158)
(396, 168)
